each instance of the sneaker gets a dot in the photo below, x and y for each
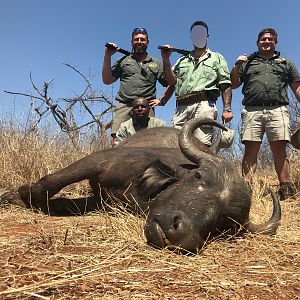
(286, 191)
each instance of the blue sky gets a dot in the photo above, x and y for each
(38, 36)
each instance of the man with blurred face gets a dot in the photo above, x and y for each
(266, 76)
(200, 78)
(140, 120)
(138, 74)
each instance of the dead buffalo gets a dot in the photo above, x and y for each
(188, 194)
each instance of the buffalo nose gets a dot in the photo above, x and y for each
(172, 230)
(179, 225)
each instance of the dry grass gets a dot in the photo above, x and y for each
(105, 256)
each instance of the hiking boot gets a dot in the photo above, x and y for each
(286, 191)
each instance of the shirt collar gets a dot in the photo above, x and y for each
(276, 55)
(148, 57)
(206, 55)
(135, 123)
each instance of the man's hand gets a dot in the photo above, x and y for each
(227, 116)
(154, 102)
(111, 48)
(166, 51)
(241, 59)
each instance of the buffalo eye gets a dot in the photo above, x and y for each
(197, 175)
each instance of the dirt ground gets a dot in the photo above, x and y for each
(105, 256)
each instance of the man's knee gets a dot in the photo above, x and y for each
(113, 141)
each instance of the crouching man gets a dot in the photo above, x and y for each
(140, 119)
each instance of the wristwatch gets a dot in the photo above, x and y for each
(228, 109)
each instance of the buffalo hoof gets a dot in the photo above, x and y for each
(26, 196)
(11, 198)
(24, 191)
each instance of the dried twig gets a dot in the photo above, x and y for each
(66, 116)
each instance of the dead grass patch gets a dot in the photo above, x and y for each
(105, 256)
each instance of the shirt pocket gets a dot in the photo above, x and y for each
(281, 74)
(150, 74)
(210, 70)
(253, 68)
(128, 69)
(251, 72)
(182, 71)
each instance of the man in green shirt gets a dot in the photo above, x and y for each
(138, 74)
(200, 78)
(140, 120)
(266, 76)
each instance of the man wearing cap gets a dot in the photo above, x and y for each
(200, 78)
(265, 76)
(138, 74)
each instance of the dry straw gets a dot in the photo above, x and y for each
(105, 256)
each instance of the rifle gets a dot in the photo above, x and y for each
(180, 51)
(111, 46)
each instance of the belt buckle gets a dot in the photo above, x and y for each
(267, 104)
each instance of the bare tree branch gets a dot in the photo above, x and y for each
(65, 111)
(23, 94)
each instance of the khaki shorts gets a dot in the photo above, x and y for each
(122, 114)
(273, 120)
(205, 109)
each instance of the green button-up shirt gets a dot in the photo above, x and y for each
(138, 79)
(267, 80)
(207, 74)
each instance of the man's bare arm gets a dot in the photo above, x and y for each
(295, 86)
(226, 93)
(107, 76)
(167, 67)
(234, 74)
(168, 92)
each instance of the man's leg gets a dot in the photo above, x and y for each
(181, 116)
(278, 132)
(113, 141)
(251, 136)
(282, 167)
(281, 162)
(123, 113)
(249, 163)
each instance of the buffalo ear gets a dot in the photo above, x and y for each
(156, 177)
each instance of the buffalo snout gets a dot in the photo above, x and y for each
(174, 231)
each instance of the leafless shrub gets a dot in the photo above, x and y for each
(65, 111)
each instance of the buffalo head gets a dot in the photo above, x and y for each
(209, 200)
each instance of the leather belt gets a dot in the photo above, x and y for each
(265, 104)
(193, 98)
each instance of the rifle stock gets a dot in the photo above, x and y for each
(180, 51)
(110, 46)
